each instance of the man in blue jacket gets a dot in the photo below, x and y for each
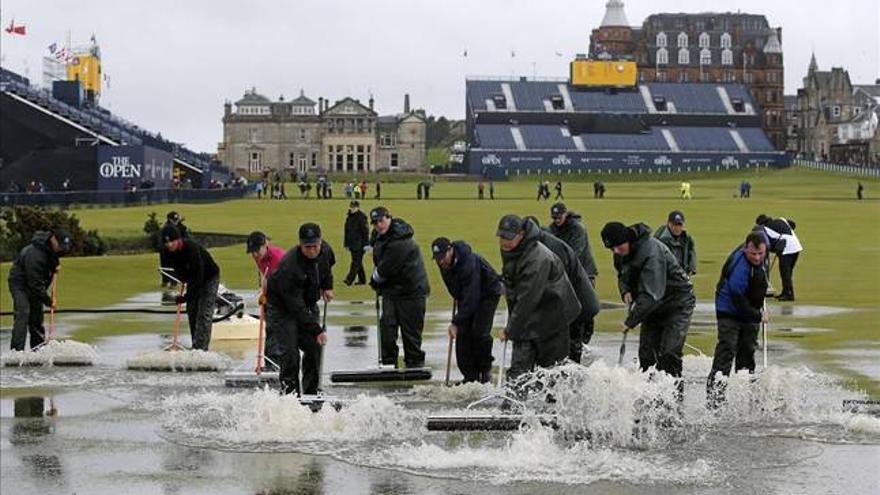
(476, 288)
(739, 308)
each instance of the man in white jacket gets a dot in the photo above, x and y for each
(787, 247)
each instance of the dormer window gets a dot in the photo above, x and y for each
(684, 56)
(726, 57)
(682, 40)
(662, 56)
(557, 102)
(705, 56)
(500, 102)
(704, 40)
(661, 39)
(725, 40)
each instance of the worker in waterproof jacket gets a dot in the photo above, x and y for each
(784, 243)
(739, 309)
(357, 238)
(567, 226)
(172, 219)
(476, 288)
(304, 277)
(580, 282)
(658, 292)
(679, 241)
(193, 265)
(400, 281)
(268, 257)
(29, 280)
(541, 302)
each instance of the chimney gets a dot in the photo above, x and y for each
(320, 105)
(371, 102)
(406, 103)
(227, 108)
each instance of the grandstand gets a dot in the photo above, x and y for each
(53, 135)
(524, 126)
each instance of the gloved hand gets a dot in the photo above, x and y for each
(313, 328)
(261, 300)
(180, 300)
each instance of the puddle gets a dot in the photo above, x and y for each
(795, 310)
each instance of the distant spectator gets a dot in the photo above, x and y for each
(378, 189)
(491, 189)
(480, 189)
(859, 190)
(558, 188)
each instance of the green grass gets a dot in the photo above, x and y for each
(839, 267)
(438, 156)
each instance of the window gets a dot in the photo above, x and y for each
(255, 164)
(302, 162)
(684, 56)
(729, 76)
(705, 56)
(662, 56)
(500, 102)
(557, 102)
(314, 160)
(704, 40)
(386, 140)
(393, 160)
(661, 76)
(725, 40)
(254, 135)
(660, 103)
(661, 39)
(682, 40)
(683, 76)
(303, 134)
(726, 57)
(835, 111)
(705, 77)
(290, 161)
(748, 78)
(857, 111)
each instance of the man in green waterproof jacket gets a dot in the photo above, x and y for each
(658, 291)
(679, 241)
(541, 302)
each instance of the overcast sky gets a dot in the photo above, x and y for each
(172, 63)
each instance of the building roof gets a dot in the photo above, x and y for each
(790, 102)
(253, 98)
(773, 45)
(303, 100)
(614, 15)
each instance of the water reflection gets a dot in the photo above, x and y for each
(309, 482)
(356, 336)
(34, 421)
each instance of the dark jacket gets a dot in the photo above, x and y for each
(586, 294)
(575, 235)
(469, 280)
(295, 287)
(399, 270)
(682, 247)
(357, 234)
(741, 289)
(193, 265)
(540, 300)
(34, 267)
(652, 275)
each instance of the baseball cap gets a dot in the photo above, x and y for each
(378, 213)
(255, 241)
(557, 210)
(169, 233)
(173, 216)
(354, 204)
(615, 234)
(676, 217)
(62, 237)
(439, 247)
(509, 226)
(309, 233)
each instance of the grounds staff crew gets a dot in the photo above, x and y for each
(172, 219)
(586, 295)
(679, 241)
(29, 279)
(739, 308)
(357, 237)
(267, 257)
(399, 278)
(659, 292)
(476, 288)
(194, 266)
(540, 300)
(787, 247)
(567, 226)
(304, 276)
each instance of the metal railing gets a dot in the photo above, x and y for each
(123, 198)
(861, 170)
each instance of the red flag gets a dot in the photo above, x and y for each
(13, 29)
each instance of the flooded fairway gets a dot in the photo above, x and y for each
(96, 429)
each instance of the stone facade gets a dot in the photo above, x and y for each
(260, 134)
(707, 47)
(837, 120)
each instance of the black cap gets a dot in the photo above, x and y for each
(309, 233)
(557, 210)
(509, 226)
(439, 247)
(354, 204)
(615, 234)
(173, 216)
(62, 237)
(676, 217)
(762, 219)
(255, 241)
(378, 213)
(169, 233)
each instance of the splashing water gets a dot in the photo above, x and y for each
(183, 360)
(54, 352)
(465, 392)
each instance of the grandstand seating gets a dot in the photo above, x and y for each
(596, 101)
(755, 139)
(530, 95)
(704, 139)
(495, 137)
(480, 91)
(690, 98)
(546, 137)
(646, 141)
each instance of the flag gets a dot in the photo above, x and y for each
(13, 29)
(52, 48)
(465, 53)
(512, 53)
(558, 54)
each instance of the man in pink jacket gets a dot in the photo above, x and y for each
(267, 257)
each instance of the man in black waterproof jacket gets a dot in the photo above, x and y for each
(580, 282)
(304, 277)
(29, 280)
(400, 280)
(194, 266)
(475, 287)
(173, 219)
(679, 241)
(739, 308)
(357, 238)
(567, 226)
(541, 302)
(658, 291)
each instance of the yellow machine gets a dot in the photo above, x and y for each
(85, 67)
(603, 73)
